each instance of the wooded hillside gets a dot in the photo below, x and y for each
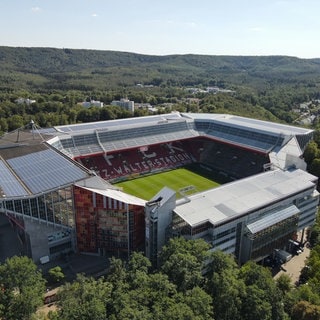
(71, 69)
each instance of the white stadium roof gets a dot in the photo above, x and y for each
(115, 124)
(255, 124)
(119, 196)
(113, 135)
(231, 120)
(236, 198)
(104, 188)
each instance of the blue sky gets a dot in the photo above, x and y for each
(230, 27)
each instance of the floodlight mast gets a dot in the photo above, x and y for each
(34, 129)
(31, 125)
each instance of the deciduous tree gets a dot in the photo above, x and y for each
(86, 298)
(22, 288)
(183, 262)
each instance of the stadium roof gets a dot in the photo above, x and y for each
(230, 120)
(255, 124)
(100, 186)
(115, 124)
(25, 171)
(107, 136)
(240, 197)
(29, 166)
(119, 196)
(104, 188)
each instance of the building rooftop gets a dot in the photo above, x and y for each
(237, 198)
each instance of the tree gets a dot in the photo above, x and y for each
(200, 303)
(255, 305)
(139, 294)
(311, 152)
(85, 298)
(301, 293)
(262, 293)
(117, 272)
(56, 275)
(184, 270)
(224, 286)
(138, 262)
(314, 235)
(3, 126)
(183, 262)
(304, 310)
(284, 283)
(15, 122)
(22, 288)
(315, 167)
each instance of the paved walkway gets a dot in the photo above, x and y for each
(293, 267)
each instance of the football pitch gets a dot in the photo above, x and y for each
(148, 186)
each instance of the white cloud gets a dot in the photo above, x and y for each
(35, 9)
(170, 22)
(94, 15)
(256, 29)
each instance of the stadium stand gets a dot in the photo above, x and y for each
(235, 162)
(137, 161)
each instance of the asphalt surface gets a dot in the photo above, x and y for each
(293, 267)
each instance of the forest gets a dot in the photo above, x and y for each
(269, 88)
(189, 283)
(263, 87)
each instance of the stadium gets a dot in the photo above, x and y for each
(113, 187)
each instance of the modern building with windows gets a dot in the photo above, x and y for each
(56, 185)
(124, 103)
(249, 218)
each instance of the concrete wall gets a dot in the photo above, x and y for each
(38, 236)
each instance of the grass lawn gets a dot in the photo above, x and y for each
(148, 186)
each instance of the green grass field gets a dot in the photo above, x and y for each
(148, 186)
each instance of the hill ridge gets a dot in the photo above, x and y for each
(34, 67)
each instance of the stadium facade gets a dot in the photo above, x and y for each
(56, 185)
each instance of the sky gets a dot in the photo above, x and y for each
(210, 27)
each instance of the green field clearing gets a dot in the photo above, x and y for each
(148, 186)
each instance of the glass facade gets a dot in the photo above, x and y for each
(272, 237)
(54, 207)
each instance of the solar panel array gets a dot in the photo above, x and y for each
(9, 184)
(45, 170)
